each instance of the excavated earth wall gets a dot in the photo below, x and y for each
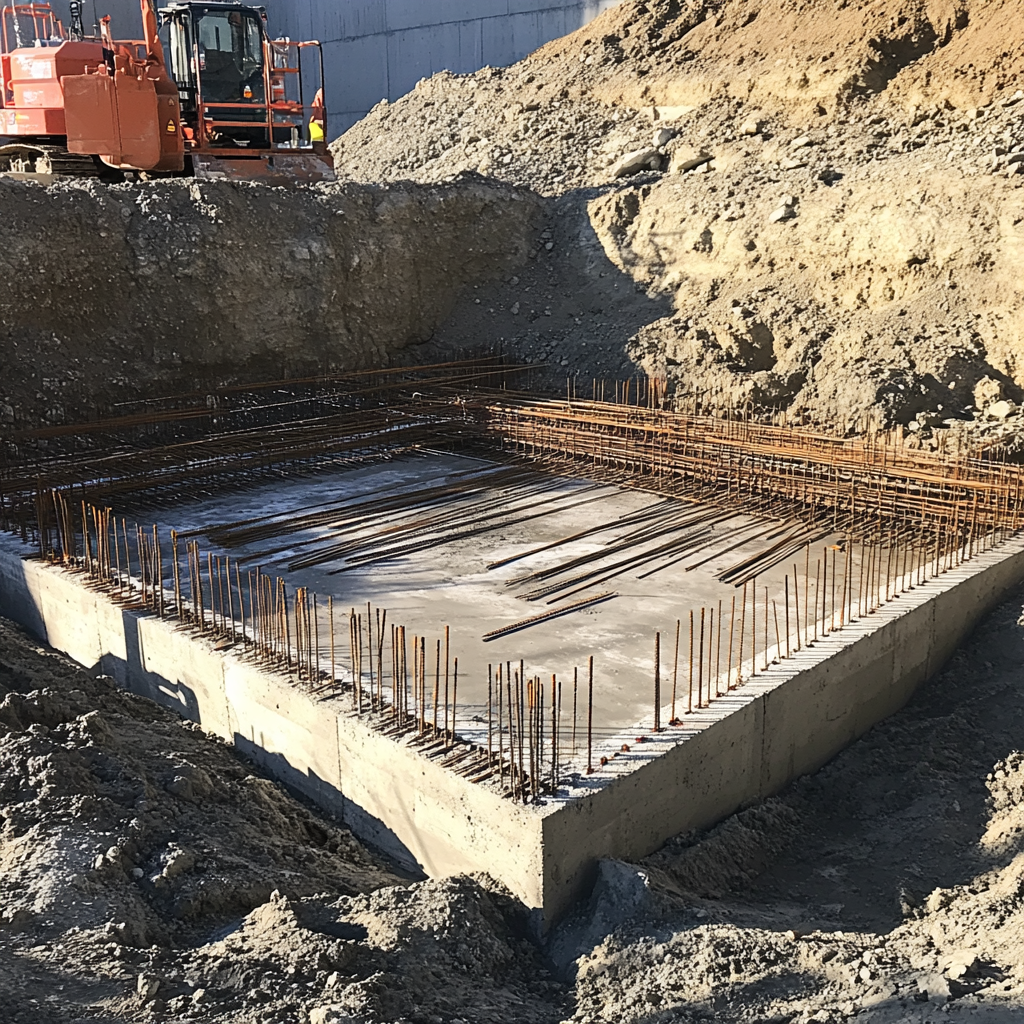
(112, 293)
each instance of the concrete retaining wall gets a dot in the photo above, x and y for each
(782, 724)
(379, 49)
(410, 808)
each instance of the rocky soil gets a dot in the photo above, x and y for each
(147, 872)
(821, 203)
(115, 293)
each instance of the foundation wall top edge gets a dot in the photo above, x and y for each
(781, 671)
(653, 747)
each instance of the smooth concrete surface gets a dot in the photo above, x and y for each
(781, 724)
(451, 584)
(380, 49)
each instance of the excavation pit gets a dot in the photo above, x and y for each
(416, 499)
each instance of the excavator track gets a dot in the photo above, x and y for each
(39, 161)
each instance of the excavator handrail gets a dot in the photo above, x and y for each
(277, 114)
(37, 12)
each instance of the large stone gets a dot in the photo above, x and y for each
(638, 160)
(1000, 410)
(987, 391)
(147, 987)
(330, 1015)
(686, 158)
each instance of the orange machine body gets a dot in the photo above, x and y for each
(33, 100)
(118, 102)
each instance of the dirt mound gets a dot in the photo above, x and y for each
(147, 872)
(801, 59)
(564, 116)
(826, 194)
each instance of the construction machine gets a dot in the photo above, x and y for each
(230, 102)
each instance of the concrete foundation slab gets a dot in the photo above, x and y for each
(784, 722)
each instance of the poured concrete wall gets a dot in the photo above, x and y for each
(379, 49)
(412, 809)
(782, 724)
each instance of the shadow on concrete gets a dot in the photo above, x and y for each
(132, 674)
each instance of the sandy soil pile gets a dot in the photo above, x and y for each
(148, 872)
(822, 202)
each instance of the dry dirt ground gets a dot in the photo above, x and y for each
(116, 293)
(147, 872)
(818, 206)
(808, 206)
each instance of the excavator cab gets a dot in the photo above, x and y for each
(243, 96)
(217, 59)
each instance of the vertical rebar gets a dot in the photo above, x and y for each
(743, 630)
(753, 627)
(437, 684)
(833, 615)
(590, 717)
(657, 682)
(575, 688)
(732, 627)
(501, 727)
(718, 652)
(700, 662)
(675, 675)
(787, 616)
(689, 697)
(446, 652)
(174, 558)
(455, 695)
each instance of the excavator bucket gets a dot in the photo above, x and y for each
(118, 118)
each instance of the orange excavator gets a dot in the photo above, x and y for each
(231, 103)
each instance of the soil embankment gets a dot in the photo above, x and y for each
(116, 293)
(824, 200)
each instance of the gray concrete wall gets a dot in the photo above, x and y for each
(412, 809)
(784, 723)
(780, 725)
(379, 49)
